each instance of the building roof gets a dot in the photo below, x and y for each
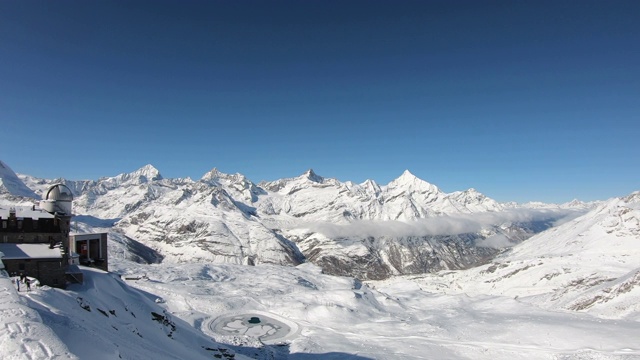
(25, 212)
(29, 251)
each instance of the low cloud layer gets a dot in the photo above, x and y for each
(441, 225)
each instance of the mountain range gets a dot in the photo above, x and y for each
(366, 230)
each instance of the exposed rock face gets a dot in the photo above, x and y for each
(380, 257)
(227, 218)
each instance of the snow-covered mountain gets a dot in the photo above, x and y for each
(310, 197)
(574, 204)
(11, 185)
(365, 230)
(590, 264)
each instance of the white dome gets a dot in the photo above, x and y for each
(58, 192)
(58, 199)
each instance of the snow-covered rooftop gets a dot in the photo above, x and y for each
(25, 212)
(32, 251)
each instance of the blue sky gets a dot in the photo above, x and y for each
(522, 100)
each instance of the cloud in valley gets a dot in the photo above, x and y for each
(440, 225)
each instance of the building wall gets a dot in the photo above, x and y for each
(48, 271)
(51, 272)
(31, 238)
(20, 230)
(22, 225)
(27, 230)
(105, 254)
(101, 262)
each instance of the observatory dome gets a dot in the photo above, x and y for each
(58, 192)
(57, 199)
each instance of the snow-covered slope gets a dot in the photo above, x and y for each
(23, 334)
(100, 319)
(11, 185)
(313, 316)
(328, 317)
(591, 264)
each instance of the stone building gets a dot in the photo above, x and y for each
(36, 242)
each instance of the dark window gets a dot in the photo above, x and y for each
(20, 266)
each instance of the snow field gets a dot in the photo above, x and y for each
(105, 319)
(388, 319)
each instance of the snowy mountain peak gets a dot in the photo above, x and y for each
(372, 186)
(143, 175)
(216, 175)
(11, 184)
(410, 181)
(408, 178)
(632, 198)
(407, 175)
(468, 195)
(311, 175)
(149, 172)
(213, 174)
(474, 200)
(474, 194)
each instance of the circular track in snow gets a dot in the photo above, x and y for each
(266, 327)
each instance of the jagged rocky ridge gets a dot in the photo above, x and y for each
(363, 230)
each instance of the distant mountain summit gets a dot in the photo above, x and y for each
(311, 175)
(145, 174)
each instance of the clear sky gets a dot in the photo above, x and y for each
(522, 100)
